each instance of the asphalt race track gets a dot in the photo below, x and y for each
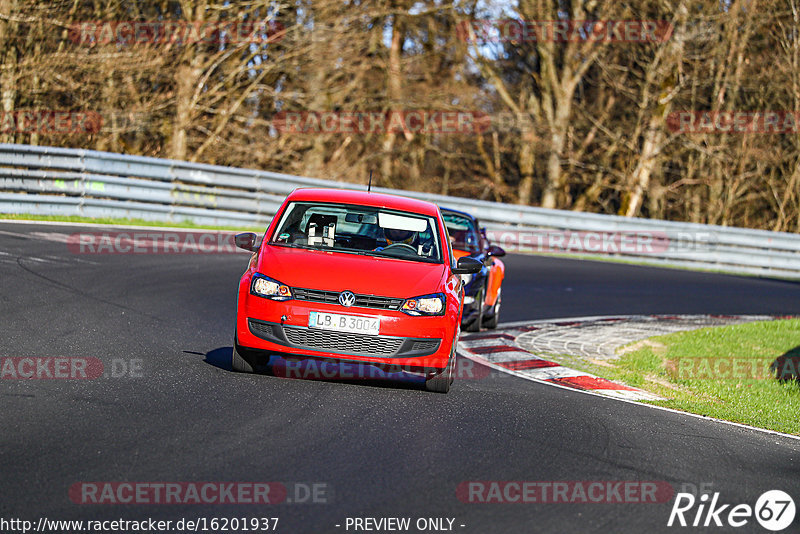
(379, 451)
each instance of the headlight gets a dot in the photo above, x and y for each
(264, 286)
(425, 305)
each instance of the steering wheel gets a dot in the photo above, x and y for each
(398, 245)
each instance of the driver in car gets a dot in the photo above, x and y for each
(398, 237)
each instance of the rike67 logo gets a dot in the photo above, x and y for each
(774, 510)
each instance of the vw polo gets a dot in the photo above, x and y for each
(356, 277)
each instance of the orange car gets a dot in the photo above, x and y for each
(483, 290)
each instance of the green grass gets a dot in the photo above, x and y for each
(126, 222)
(721, 372)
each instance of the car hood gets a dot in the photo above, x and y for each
(337, 271)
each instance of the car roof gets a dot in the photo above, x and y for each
(464, 213)
(350, 196)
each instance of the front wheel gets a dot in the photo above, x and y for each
(477, 322)
(493, 319)
(440, 383)
(238, 363)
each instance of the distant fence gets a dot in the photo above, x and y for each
(59, 181)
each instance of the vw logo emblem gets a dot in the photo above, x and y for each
(347, 298)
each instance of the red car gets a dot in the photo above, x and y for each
(357, 277)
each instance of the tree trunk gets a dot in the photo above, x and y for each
(558, 137)
(394, 83)
(8, 34)
(187, 76)
(526, 161)
(648, 159)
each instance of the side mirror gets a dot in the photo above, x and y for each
(467, 265)
(495, 251)
(246, 241)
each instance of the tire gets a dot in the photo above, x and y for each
(455, 356)
(494, 318)
(476, 324)
(441, 382)
(238, 363)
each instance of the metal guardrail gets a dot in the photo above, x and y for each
(59, 181)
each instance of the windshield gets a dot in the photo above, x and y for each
(359, 230)
(463, 234)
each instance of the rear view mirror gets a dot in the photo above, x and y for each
(363, 218)
(246, 241)
(467, 265)
(495, 251)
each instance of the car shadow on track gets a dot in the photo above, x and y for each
(220, 357)
(787, 366)
(278, 366)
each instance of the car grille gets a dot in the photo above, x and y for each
(301, 337)
(342, 341)
(332, 297)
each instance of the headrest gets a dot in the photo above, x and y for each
(321, 220)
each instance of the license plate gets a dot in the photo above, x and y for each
(344, 323)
